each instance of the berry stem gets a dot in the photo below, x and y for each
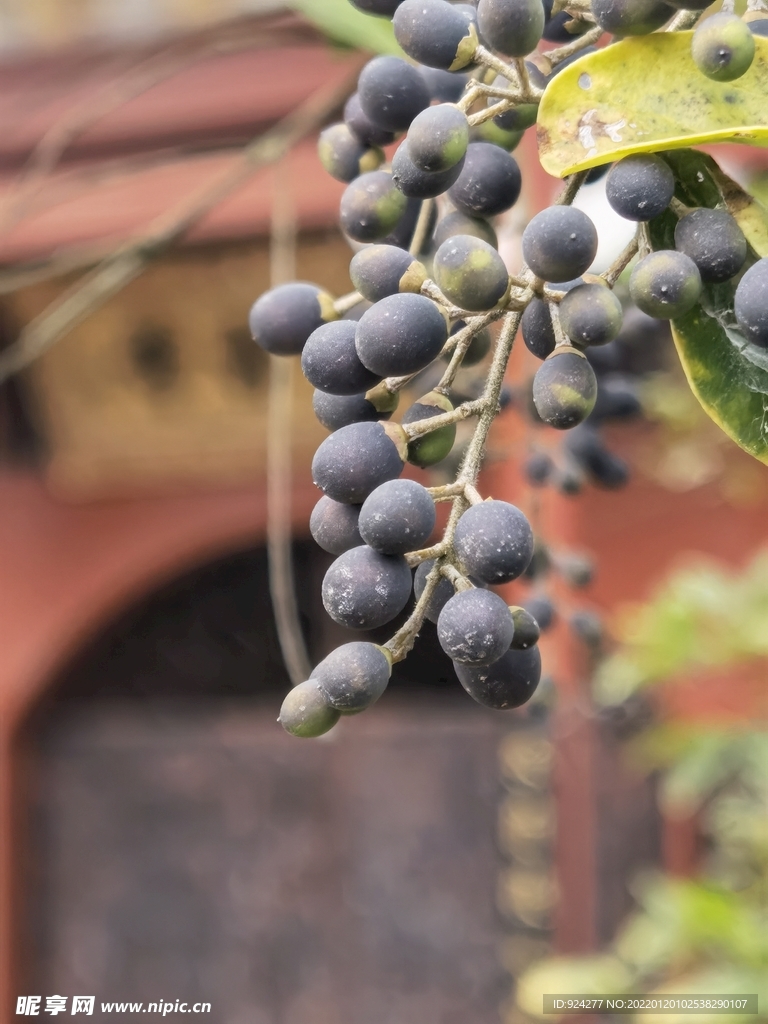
(452, 573)
(490, 112)
(572, 185)
(347, 302)
(431, 290)
(417, 557)
(572, 7)
(558, 55)
(473, 496)
(445, 492)
(483, 56)
(461, 412)
(643, 240)
(460, 343)
(404, 639)
(489, 402)
(678, 208)
(622, 261)
(421, 230)
(561, 338)
(473, 93)
(683, 21)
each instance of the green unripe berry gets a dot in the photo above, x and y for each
(343, 155)
(371, 206)
(723, 47)
(520, 117)
(306, 713)
(470, 273)
(489, 131)
(383, 401)
(665, 284)
(590, 314)
(381, 270)
(438, 137)
(429, 449)
(564, 388)
(457, 223)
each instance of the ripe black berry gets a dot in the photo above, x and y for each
(334, 526)
(401, 334)
(564, 389)
(714, 241)
(559, 243)
(353, 676)
(330, 361)
(397, 517)
(489, 182)
(475, 627)
(354, 460)
(493, 542)
(282, 319)
(392, 92)
(751, 304)
(640, 186)
(364, 589)
(507, 683)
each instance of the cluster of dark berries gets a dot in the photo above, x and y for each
(429, 284)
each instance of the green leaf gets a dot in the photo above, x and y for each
(344, 24)
(728, 375)
(645, 94)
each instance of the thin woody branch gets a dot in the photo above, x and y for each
(127, 262)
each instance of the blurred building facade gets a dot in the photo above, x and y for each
(162, 837)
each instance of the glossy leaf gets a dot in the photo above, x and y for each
(728, 375)
(642, 95)
(344, 24)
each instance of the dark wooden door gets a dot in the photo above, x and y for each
(182, 847)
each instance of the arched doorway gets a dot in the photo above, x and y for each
(179, 846)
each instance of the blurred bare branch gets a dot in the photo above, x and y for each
(279, 437)
(146, 72)
(116, 270)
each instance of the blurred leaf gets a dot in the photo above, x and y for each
(601, 108)
(739, 825)
(703, 615)
(588, 975)
(682, 920)
(344, 24)
(707, 763)
(699, 761)
(716, 981)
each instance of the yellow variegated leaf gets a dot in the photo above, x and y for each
(645, 94)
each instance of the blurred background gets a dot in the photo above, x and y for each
(431, 861)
